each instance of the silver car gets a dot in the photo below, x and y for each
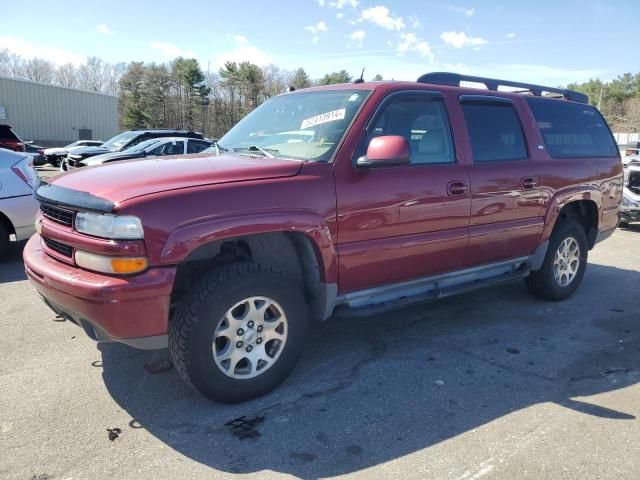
(18, 207)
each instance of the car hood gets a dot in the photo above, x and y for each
(108, 157)
(120, 181)
(88, 151)
(55, 151)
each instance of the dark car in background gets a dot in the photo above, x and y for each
(10, 139)
(123, 141)
(55, 155)
(155, 147)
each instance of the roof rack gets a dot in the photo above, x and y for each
(454, 79)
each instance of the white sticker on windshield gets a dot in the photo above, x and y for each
(323, 118)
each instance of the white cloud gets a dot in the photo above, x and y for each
(243, 51)
(321, 3)
(339, 15)
(461, 40)
(339, 4)
(318, 27)
(382, 16)
(412, 43)
(171, 51)
(468, 12)
(102, 28)
(414, 21)
(511, 35)
(315, 40)
(358, 36)
(30, 50)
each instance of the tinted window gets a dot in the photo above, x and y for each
(495, 131)
(572, 130)
(193, 146)
(423, 121)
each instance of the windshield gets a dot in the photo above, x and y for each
(306, 126)
(117, 142)
(138, 147)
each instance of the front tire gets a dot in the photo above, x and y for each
(564, 264)
(240, 333)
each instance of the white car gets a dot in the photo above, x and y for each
(55, 155)
(18, 207)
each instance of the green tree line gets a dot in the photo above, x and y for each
(181, 95)
(618, 100)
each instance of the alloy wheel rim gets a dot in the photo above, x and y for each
(566, 262)
(250, 337)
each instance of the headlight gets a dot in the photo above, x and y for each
(117, 227)
(105, 264)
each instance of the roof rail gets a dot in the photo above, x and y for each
(454, 79)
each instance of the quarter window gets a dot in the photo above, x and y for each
(423, 121)
(495, 131)
(572, 130)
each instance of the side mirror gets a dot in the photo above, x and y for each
(386, 150)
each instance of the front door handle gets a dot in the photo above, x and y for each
(457, 189)
(529, 183)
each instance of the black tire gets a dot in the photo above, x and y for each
(191, 332)
(4, 240)
(623, 224)
(542, 283)
(55, 161)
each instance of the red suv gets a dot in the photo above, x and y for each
(355, 198)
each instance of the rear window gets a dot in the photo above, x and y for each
(495, 131)
(572, 130)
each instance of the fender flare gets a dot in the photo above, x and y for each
(564, 197)
(187, 238)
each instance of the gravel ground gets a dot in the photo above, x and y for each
(492, 384)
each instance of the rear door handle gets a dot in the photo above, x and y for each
(457, 189)
(529, 183)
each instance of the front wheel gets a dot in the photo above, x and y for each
(240, 333)
(563, 266)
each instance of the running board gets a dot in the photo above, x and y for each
(391, 297)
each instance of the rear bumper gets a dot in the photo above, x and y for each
(132, 310)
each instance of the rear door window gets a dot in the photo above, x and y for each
(572, 130)
(494, 130)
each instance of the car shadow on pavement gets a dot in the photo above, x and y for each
(368, 391)
(11, 266)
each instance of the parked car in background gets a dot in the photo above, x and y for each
(630, 207)
(351, 199)
(9, 139)
(155, 147)
(122, 142)
(18, 207)
(55, 155)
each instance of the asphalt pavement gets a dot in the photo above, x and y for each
(494, 384)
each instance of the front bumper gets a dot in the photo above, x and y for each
(132, 310)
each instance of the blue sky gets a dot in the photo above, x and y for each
(553, 42)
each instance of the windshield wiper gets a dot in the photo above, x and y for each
(219, 148)
(255, 148)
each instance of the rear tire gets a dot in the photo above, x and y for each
(622, 224)
(564, 264)
(4, 240)
(240, 333)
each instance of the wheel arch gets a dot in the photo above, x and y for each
(581, 206)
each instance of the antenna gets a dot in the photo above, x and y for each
(361, 79)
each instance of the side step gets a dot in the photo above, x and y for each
(440, 289)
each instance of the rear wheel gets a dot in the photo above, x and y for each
(4, 240)
(240, 333)
(564, 264)
(623, 224)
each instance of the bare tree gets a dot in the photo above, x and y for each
(67, 75)
(38, 70)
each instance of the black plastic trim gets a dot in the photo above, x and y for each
(45, 192)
